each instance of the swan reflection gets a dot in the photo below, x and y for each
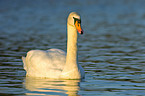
(39, 86)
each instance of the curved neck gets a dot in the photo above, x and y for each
(71, 68)
(71, 45)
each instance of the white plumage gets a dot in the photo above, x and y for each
(55, 63)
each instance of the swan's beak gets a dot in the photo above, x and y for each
(78, 27)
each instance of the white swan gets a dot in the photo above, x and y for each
(54, 63)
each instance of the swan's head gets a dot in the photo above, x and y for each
(74, 19)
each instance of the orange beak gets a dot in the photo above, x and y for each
(78, 27)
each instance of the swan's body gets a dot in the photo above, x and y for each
(55, 63)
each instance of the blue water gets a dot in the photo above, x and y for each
(111, 51)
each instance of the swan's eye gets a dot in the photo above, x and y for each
(78, 20)
(77, 23)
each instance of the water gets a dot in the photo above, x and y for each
(112, 49)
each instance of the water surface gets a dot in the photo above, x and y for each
(111, 51)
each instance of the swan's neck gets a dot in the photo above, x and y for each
(71, 69)
(71, 58)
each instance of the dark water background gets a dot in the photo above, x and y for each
(111, 51)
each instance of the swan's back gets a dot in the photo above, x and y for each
(48, 64)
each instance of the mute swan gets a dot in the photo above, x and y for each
(54, 63)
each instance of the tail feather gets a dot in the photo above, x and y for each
(24, 63)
